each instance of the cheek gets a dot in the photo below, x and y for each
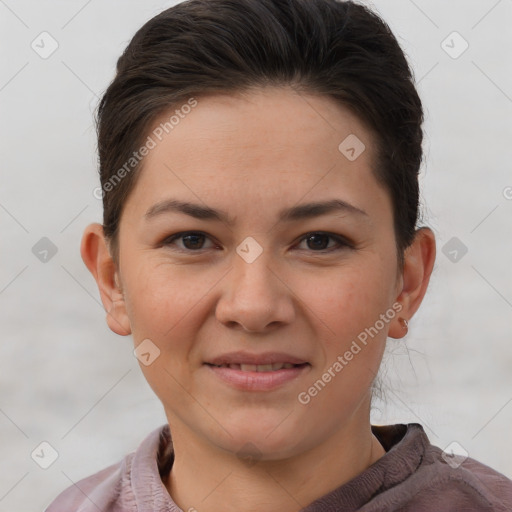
(161, 303)
(349, 306)
(159, 296)
(347, 301)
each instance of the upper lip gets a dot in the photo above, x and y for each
(257, 359)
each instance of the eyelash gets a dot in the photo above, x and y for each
(342, 242)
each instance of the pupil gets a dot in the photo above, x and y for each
(188, 237)
(316, 245)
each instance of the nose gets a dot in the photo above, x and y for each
(254, 297)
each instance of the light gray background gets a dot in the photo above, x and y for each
(66, 379)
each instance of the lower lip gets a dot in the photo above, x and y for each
(258, 381)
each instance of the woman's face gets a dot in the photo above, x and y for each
(266, 278)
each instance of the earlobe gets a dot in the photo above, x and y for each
(419, 262)
(97, 258)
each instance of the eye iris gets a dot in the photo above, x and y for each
(322, 238)
(194, 237)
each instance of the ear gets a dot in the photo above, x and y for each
(419, 262)
(96, 256)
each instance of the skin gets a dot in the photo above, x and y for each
(252, 155)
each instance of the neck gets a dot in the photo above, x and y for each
(209, 479)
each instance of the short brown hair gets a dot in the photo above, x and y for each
(336, 48)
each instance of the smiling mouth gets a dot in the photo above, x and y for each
(244, 375)
(259, 367)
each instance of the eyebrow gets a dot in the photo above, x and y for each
(299, 212)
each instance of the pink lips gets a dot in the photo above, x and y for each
(257, 372)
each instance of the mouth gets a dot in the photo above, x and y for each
(271, 367)
(252, 372)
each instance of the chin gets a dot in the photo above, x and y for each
(262, 437)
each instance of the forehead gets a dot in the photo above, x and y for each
(264, 118)
(264, 146)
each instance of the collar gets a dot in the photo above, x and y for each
(405, 447)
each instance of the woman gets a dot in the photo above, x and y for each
(236, 136)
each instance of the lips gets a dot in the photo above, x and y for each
(259, 360)
(257, 367)
(257, 372)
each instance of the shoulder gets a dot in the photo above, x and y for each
(115, 488)
(95, 491)
(464, 479)
(441, 481)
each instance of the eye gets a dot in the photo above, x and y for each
(192, 241)
(319, 241)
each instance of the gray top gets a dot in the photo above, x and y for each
(413, 476)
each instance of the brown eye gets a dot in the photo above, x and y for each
(319, 241)
(191, 241)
